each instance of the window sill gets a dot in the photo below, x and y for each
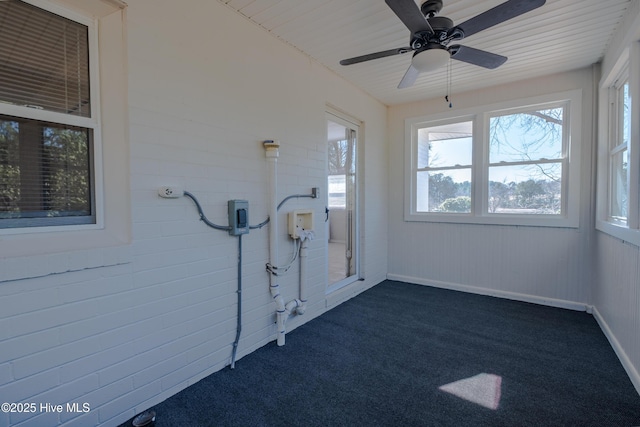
(524, 220)
(620, 232)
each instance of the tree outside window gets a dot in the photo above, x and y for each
(496, 166)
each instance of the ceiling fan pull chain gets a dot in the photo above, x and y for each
(446, 98)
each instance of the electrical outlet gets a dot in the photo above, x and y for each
(169, 192)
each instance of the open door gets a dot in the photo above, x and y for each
(342, 216)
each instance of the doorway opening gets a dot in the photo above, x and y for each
(342, 203)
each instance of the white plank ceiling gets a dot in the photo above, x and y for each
(562, 35)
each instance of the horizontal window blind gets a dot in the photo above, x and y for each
(44, 171)
(44, 60)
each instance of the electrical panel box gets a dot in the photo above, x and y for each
(238, 217)
(299, 221)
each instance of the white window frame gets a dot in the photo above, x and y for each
(449, 167)
(92, 123)
(626, 68)
(480, 163)
(616, 146)
(105, 242)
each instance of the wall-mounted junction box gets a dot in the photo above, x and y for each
(301, 219)
(238, 217)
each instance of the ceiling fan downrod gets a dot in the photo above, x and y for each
(431, 8)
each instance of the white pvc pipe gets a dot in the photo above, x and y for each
(271, 152)
(299, 305)
(303, 276)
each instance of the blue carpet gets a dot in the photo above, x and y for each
(409, 355)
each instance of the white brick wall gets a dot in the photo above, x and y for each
(125, 327)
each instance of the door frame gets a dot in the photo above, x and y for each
(349, 122)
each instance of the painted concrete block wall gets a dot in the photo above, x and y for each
(544, 265)
(124, 328)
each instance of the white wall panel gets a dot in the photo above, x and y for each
(617, 298)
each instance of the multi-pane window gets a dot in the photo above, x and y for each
(444, 168)
(526, 160)
(499, 165)
(618, 192)
(47, 123)
(619, 153)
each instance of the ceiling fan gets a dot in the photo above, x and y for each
(431, 35)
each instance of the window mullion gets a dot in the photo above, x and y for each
(618, 148)
(443, 168)
(527, 162)
(49, 116)
(480, 172)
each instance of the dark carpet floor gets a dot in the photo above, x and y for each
(381, 358)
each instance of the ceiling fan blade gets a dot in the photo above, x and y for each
(496, 15)
(478, 57)
(375, 55)
(409, 78)
(410, 15)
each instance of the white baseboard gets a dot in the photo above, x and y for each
(634, 376)
(552, 302)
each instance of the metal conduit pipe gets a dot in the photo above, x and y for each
(311, 196)
(239, 317)
(204, 219)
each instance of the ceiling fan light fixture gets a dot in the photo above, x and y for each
(431, 34)
(430, 59)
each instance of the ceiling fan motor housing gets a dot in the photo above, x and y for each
(440, 23)
(441, 26)
(430, 8)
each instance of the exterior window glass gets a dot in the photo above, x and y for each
(508, 164)
(44, 172)
(619, 155)
(444, 168)
(526, 162)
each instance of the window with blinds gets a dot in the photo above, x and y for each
(46, 175)
(44, 60)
